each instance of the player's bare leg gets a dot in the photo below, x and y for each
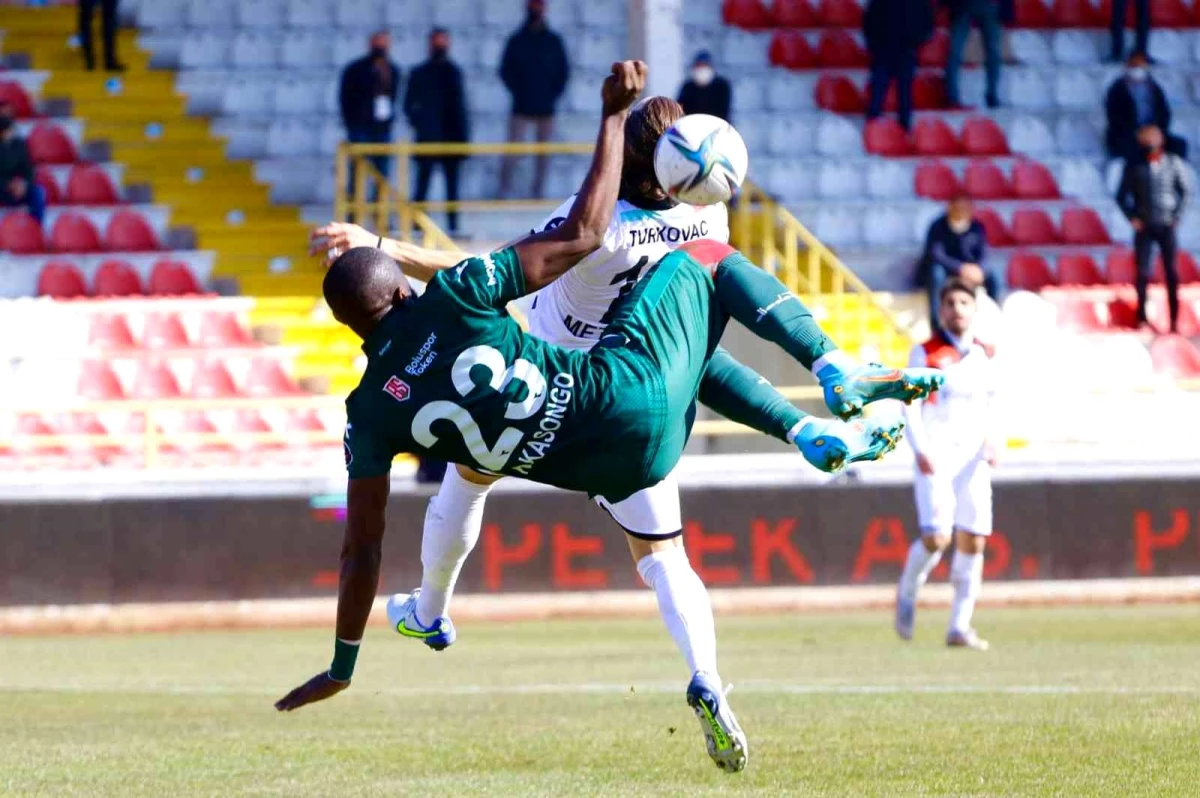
(923, 556)
(966, 576)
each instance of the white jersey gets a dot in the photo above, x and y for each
(574, 310)
(957, 420)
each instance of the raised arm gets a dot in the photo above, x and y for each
(417, 262)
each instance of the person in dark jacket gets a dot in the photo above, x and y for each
(988, 15)
(1134, 101)
(108, 32)
(437, 110)
(17, 184)
(367, 97)
(895, 30)
(1116, 27)
(956, 246)
(535, 70)
(1155, 190)
(706, 92)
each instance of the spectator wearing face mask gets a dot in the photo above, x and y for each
(368, 98)
(17, 186)
(706, 92)
(1134, 101)
(436, 110)
(956, 246)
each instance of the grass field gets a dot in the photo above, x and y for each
(1073, 702)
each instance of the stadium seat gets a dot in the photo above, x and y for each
(1186, 267)
(795, 14)
(840, 13)
(789, 49)
(748, 14)
(90, 185)
(890, 179)
(171, 278)
(49, 144)
(1030, 136)
(935, 180)
(1079, 178)
(1027, 271)
(1077, 91)
(1083, 226)
(34, 456)
(1075, 48)
(1078, 136)
(1033, 227)
(303, 427)
(98, 382)
(129, 232)
(838, 136)
(222, 330)
(20, 234)
(840, 180)
(983, 180)
(839, 49)
(1079, 14)
(934, 137)
(885, 136)
(14, 94)
(929, 92)
(1031, 180)
(885, 227)
(936, 51)
(1170, 14)
(116, 278)
(1175, 356)
(1078, 268)
(249, 423)
(164, 331)
(211, 380)
(998, 234)
(1122, 313)
(61, 279)
(1120, 267)
(982, 136)
(44, 178)
(196, 437)
(73, 232)
(110, 332)
(253, 50)
(838, 93)
(1078, 314)
(1030, 48)
(88, 452)
(267, 378)
(312, 14)
(1032, 14)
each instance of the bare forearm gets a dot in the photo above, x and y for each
(356, 588)
(418, 262)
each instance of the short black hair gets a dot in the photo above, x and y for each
(439, 32)
(360, 284)
(955, 285)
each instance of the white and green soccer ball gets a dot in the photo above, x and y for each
(701, 160)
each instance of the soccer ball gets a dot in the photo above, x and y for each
(701, 160)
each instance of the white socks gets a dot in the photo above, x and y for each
(684, 605)
(917, 567)
(966, 575)
(452, 525)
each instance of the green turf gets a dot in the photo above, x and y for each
(1072, 702)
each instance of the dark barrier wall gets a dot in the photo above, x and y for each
(229, 548)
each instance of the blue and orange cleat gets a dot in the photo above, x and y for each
(846, 393)
(402, 616)
(831, 445)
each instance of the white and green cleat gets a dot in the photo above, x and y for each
(402, 617)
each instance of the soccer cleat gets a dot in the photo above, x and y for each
(830, 445)
(402, 615)
(724, 737)
(906, 616)
(846, 393)
(968, 639)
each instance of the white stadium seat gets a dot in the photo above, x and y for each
(296, 96)
(330, 136)
(1076, 48)
(1025, 88)
(1077, 136)
(838, 227)
(346, 45)
(1029, 135)
(597, 13)
(890, 179)
(791, 136)
(840, 180)
(289, 137)
(1171, 47)
(359, 13)
(305, 49)
(1080, 178)
(416, 13)
(269, 14)
(211, 13)
(309, 14)
(252, 49)
(838, 136)
(742, 49)
(452, 13)
(1077, 91)
(162, 14)
(488, 94)
(783, 178)
(923, 216)
(204, 49)
(789, 91)
(503, 17)
(247, 96)
(885, 227)
(598, 50)
(1029, 47)
(748, 99)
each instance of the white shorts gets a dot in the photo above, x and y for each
(650, 513)
(955, 499)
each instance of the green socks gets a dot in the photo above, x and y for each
(739, 394)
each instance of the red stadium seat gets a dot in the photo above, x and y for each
(1078, 268)
(936, 51)
(110, 332)
(29, 427)
(749, 14)
(985, 181)
(934, 137)
(1122, 313)
(196, 437)
(1159, 315)
(1083, 226)
(1027, 271)
(1032, 227)
(99, 383)
(20, 234)
(1104, 10)
(223, 330)
(46, 180)
(90, 185)
(935, 180)
(1169, 14)
(1031, 180)
(156, 381)
(49, 144)
(840, 13)
(91, 452)
(212, 381)
(1175, 356)
(1079, 14)
(838, 49)
(998, 234)
(1078, 314)
(15, 95)
(1186, 266)
(884, 136)
(838, 93)
(267, 378)
(129, 232)
(795, 14)
(116, 278)
(1119, 267)
(164, 331)
(1033, 14)
(982, 136)
(171, 278)
(929, 92)
(251, 423)
(61, 279)
(73, 232)
(791, 50)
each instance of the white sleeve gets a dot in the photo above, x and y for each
(556, 218)
(718, 224)
(913, 420)
(995, 428)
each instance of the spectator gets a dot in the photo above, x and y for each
(367, 97)
(1117, 28)
(534, 68)
(988, 15)
(1134, 101)
(956, 247)
(706, 92)
(1155, 189)
(108, 30)
(437, 111)
(17, 185)
(895, 30)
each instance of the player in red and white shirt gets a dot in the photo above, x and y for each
(954, 441)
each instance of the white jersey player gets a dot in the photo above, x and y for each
(954, 444)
